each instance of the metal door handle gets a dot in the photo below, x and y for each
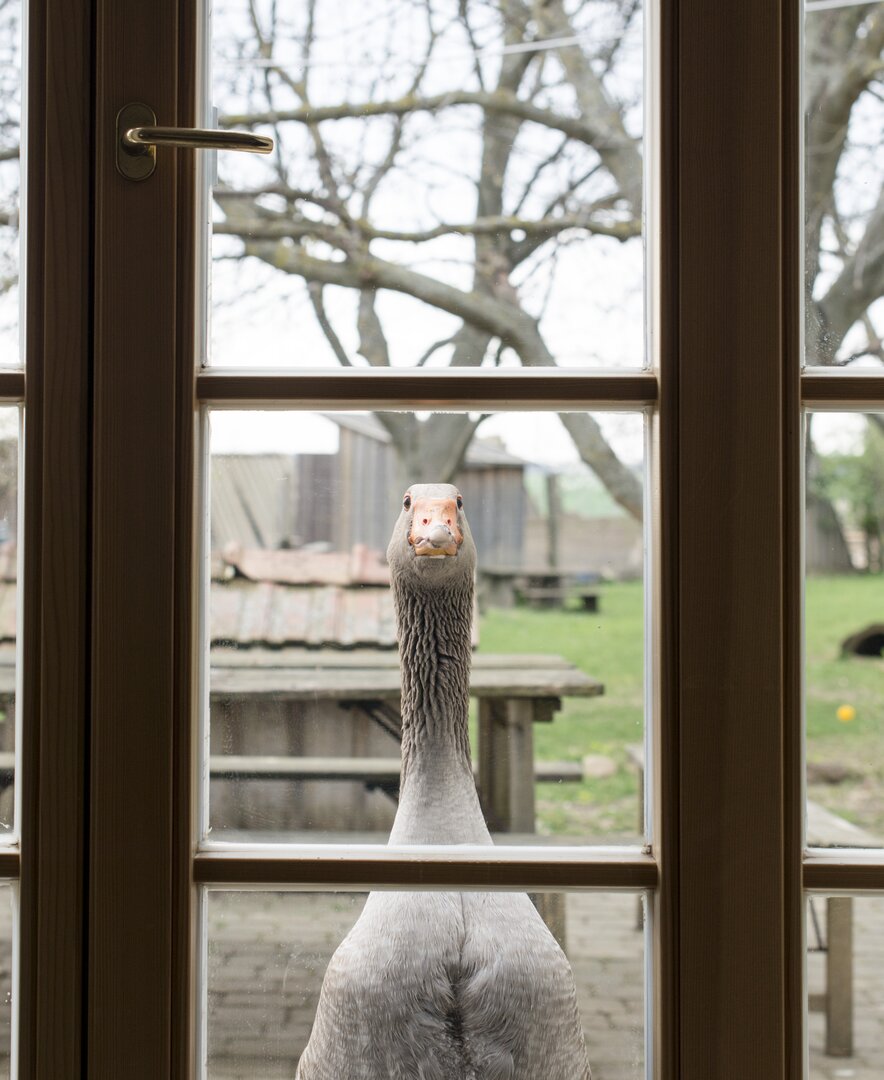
(138, 137)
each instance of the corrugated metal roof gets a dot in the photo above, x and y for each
(245, 614)
(273, 614)
(278, 598)
(360, 566)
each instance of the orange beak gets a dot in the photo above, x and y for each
(434, 528)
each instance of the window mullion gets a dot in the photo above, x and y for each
(55, 644)
(139, 482)
(733, 306)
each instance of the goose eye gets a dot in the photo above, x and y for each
(460, 502)
(406, 502)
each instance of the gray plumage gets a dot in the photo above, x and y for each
(442, 986)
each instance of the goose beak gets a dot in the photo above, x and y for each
(434, 529)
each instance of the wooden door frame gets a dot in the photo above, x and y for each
(106, 869)
(55, 593)
(730, 415)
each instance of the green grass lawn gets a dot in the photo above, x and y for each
(835, 608)
(609, 646)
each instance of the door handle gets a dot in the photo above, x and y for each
(138, 137)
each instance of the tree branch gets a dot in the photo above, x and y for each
(496, 317)
(840, 66)
(618, 151)
(314, 291)
(859, 284)
(372, 340)
(503, 102)
(281, 227)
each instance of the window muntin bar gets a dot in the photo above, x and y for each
(446, 868)
(858, 871)
(377, 389)
(842, 390)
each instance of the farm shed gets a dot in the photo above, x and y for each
(339, 500)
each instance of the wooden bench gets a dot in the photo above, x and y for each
(513, 692)
(539, 586)
(556, 596)
(824, 830)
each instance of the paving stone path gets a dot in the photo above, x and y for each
(268, 953)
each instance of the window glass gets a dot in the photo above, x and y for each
(268, 953)
(845, 957)
(10, 179)
(844, 174)
(455, 184)
(844, 552)
(305, 713)
(8, 899)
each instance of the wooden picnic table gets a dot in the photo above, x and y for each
(513, 692)
(824, 829)
(539, 586)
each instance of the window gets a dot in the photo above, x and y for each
(123, 890)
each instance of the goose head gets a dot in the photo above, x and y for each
(431, 542)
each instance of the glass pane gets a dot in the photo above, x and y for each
(305, 712)
(845, 629)
(845, 990)
(10, 178)
(268, 953)
(454, 184)
(8, 902)
(844, 173)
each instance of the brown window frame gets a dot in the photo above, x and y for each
(108, 872)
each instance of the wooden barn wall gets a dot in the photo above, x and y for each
(317, 498)
(496, 508)
(366, 505)
(347, 498)
(253, 500)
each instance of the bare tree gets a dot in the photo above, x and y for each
(10, 140)
(533, 130)
(844, 182)
(455, 153)
(550, 104)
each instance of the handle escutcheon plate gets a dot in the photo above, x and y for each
(138, 138)
(135, 162)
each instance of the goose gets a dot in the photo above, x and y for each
(440, 985)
